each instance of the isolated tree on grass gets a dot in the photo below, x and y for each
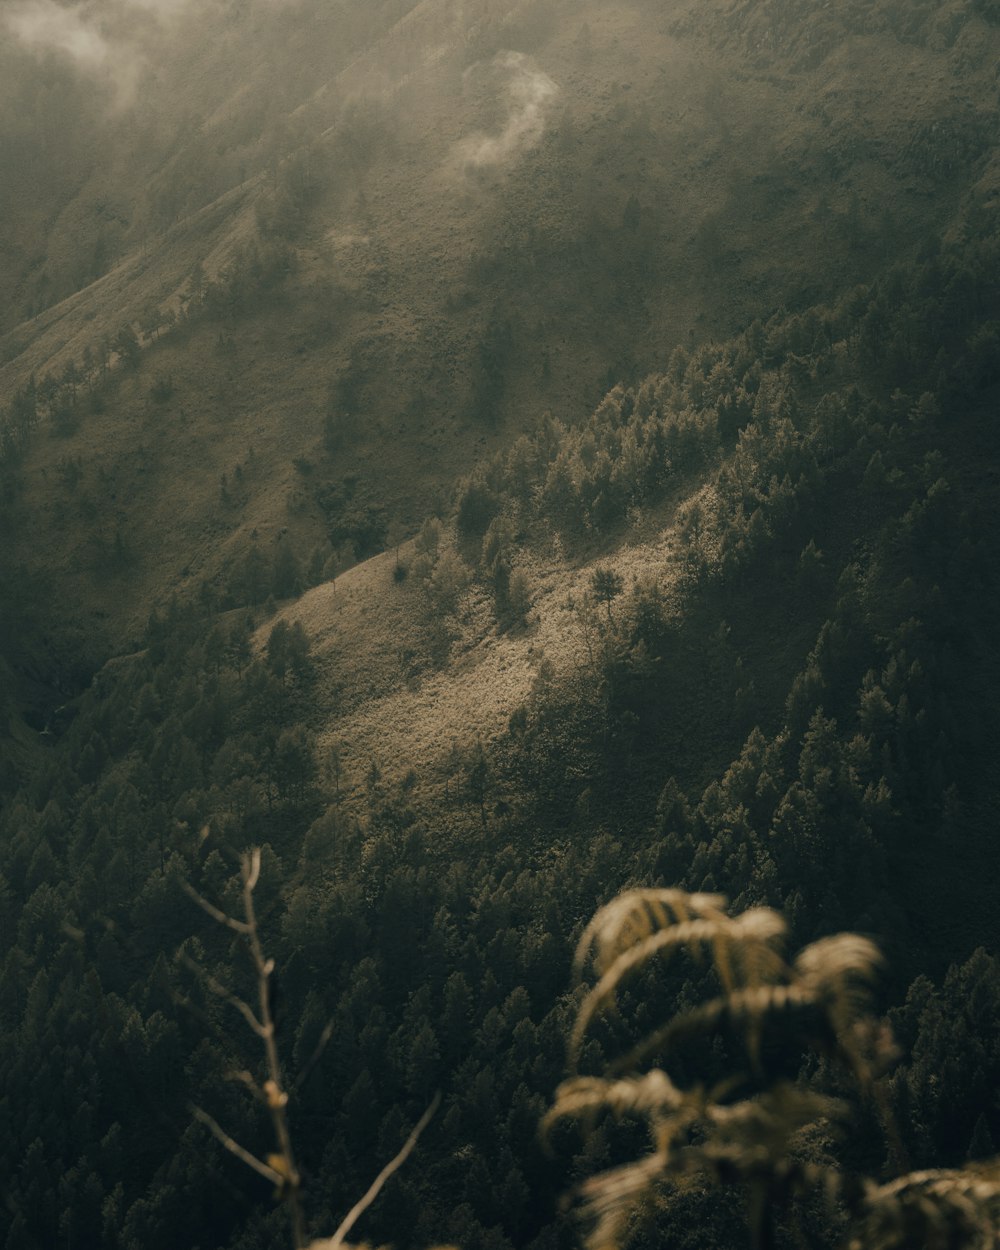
(286, 572)
(606, 586)
(288, 651)
(126, 344)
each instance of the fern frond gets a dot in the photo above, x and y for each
(611, 1197)
(636, 914)
(980, 1180)
(759, 930)
(745, 1142)
(839, 973)
(772, 1118)
(822, 1001)
(744, 940)
(844, 964)
(778, 1177)
(744, 1009)
(687, 933)
(934, 1208)
(651, 1094)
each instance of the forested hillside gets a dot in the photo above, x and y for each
(513, 469)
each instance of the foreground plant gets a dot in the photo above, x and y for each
(749, 1129)
(280, 1167)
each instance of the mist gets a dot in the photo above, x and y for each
(528, 94)
(82, 36)
(43, 26)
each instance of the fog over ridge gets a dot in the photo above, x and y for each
(528, 92)
(84, 35)
(45, 26)
(110, 41)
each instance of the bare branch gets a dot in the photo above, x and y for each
(215, 912)
(349, 1220)
(235, 1148)
(179, 1000)
(315, 1057)
(251, 869)
(276, 1098)
(226, 995)
(281, 1167)
(244, 1078)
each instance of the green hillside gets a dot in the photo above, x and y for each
(392, 273)
(486, 455)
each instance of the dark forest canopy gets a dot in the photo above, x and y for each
(741, 581)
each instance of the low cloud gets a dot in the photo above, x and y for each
(44, 26)
(528, 92)
(74, 33)
(160, 8)
(168, 10)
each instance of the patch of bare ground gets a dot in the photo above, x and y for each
(380, 698)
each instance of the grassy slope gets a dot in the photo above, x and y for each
(380, 699)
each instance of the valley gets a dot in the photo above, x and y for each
(486, 455)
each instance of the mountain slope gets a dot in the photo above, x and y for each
(455, 234)
(311, 568)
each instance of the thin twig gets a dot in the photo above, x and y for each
(315, 1057)
(253, 873)
(235, 1148)
(277, 1099)
(288, 1181)
(217, 988)
(244, 1078)
(215, 912)
(203, 1018)
(349, 1220)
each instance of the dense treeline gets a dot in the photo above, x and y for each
(803, 719)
